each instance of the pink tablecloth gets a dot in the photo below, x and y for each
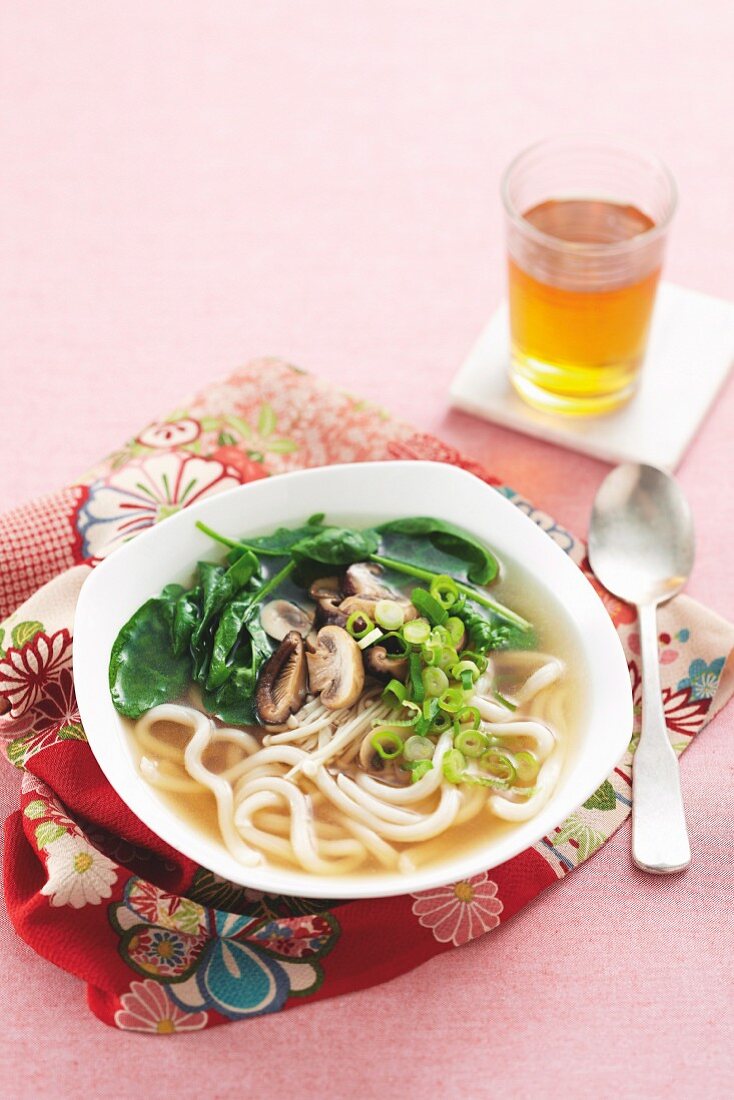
(188, 185)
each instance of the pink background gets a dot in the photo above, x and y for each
(189, 185)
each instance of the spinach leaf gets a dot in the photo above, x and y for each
(336, 546)
(219, 585)
(233, 700)
(482, 567)
(240, 616)
(284, 539)
(144, 670)
(185, 618)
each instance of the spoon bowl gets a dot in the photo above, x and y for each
(641, 542)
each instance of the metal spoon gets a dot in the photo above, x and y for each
(641, 548)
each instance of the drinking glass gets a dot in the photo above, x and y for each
(587, 223)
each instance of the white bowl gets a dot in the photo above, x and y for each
(362, 494)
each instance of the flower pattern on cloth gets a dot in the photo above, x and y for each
(78, 874)
(236, 965)
(460, 912)
(148, 1007)
(144, 492)
(205, 951)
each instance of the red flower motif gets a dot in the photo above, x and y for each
(25, 672)
(239, 460)
(683, 713)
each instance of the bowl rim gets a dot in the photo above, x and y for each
(97, 712)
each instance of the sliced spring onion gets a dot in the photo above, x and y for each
(359, 625)
(503, 700)
(418, 748)
(465, 666)
(526, 766)
(471, 742)
(369, 639)
(419, 769)
(452, 700)
(386, 744)
(445, 590)
(448, 658)
(435, 681)
(470, 716)
(454, 765)
(429, 606)
(428, 716)
(416, 680)
(455, 629)
(394, 693)
(498, 765)
(479, 659)
(441, 722)
(389, 614)
(417, 631)
(395, 644)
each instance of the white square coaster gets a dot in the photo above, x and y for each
(690, 353)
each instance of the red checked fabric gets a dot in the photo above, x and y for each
(165, 945)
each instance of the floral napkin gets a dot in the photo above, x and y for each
(163, 944)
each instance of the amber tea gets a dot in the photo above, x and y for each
(583, 273)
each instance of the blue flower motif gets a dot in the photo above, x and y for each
(702, 679)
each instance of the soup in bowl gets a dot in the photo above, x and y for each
(348, 682)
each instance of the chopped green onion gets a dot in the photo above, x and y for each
(441, 722)
(455, 628)
(389, 614)
(526, 766)
(395, 644)
(417, 631)
(416, 679)
(432, 652)
(355, 629)
(369, 639)
(468, 715)
(465, 666)
(429, 606)
(479, 659)
(499, 765)
(428, 716)
(504, 701)
(445, 591)
(448, 658)
(454, 766)
(386, 744)
(418, 748)
(418, 769)
(435, 681)
(394, 693)
(471, 742)
(452, 700)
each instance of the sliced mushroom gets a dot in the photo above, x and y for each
(326, 588)
(335, 668)
(281, 685)
(378, 662)
(362, 579)
(279, 617)
(329, 613)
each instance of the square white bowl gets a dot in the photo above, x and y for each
(361, 494)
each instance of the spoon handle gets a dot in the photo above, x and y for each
(659, 835)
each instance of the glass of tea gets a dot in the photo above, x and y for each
(586, 228)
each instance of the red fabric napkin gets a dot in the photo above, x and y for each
(165, 945)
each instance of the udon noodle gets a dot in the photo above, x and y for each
(307, 795)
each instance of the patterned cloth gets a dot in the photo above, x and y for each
(163, 944)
